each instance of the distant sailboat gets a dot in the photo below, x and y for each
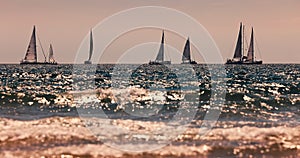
(186, 56)
(161, 54)
(51, 55)
(91, 49)
(31, 53)
(239, 57)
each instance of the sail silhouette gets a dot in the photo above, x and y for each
(250, 56)
(91, 49)
(31, 53)
(186, 56)
(238, 53)
(161, 53)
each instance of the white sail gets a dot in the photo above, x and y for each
(91, 49)
(160, 55)
(160, 58)
(31, 53)
(250, 56)
(51, 55)
(91, 46)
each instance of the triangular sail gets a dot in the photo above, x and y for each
(31, 53)
(186, 57)
(160, 55)
(51, 54)
(91, 46)
(250, 56)
(238, 53)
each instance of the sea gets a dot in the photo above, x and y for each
(127, 110)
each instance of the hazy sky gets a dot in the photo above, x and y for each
(65, 23)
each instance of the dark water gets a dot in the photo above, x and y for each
(259, 109)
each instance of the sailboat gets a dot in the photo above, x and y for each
(51, 55)
(239, 55)
(161, 54)
(31, 53)
(186, 56)
(91, 50)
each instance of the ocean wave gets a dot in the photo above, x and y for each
(68, 136)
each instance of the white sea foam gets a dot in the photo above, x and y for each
(68, 136)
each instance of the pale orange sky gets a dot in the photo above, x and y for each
(65, 23)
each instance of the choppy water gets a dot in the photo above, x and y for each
(259, 115)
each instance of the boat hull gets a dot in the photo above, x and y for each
(255, 62)
(37, 63)
(159, 62)
(191, 62)
(243, 62)
(87, 62)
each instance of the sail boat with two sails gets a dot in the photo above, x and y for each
(160, 58)
(239, 55)
(186, 56)
(91, 49)
(31, 53)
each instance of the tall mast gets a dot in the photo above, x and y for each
(243, 42)
(91, 46)
(253, 47)
(45, 57)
